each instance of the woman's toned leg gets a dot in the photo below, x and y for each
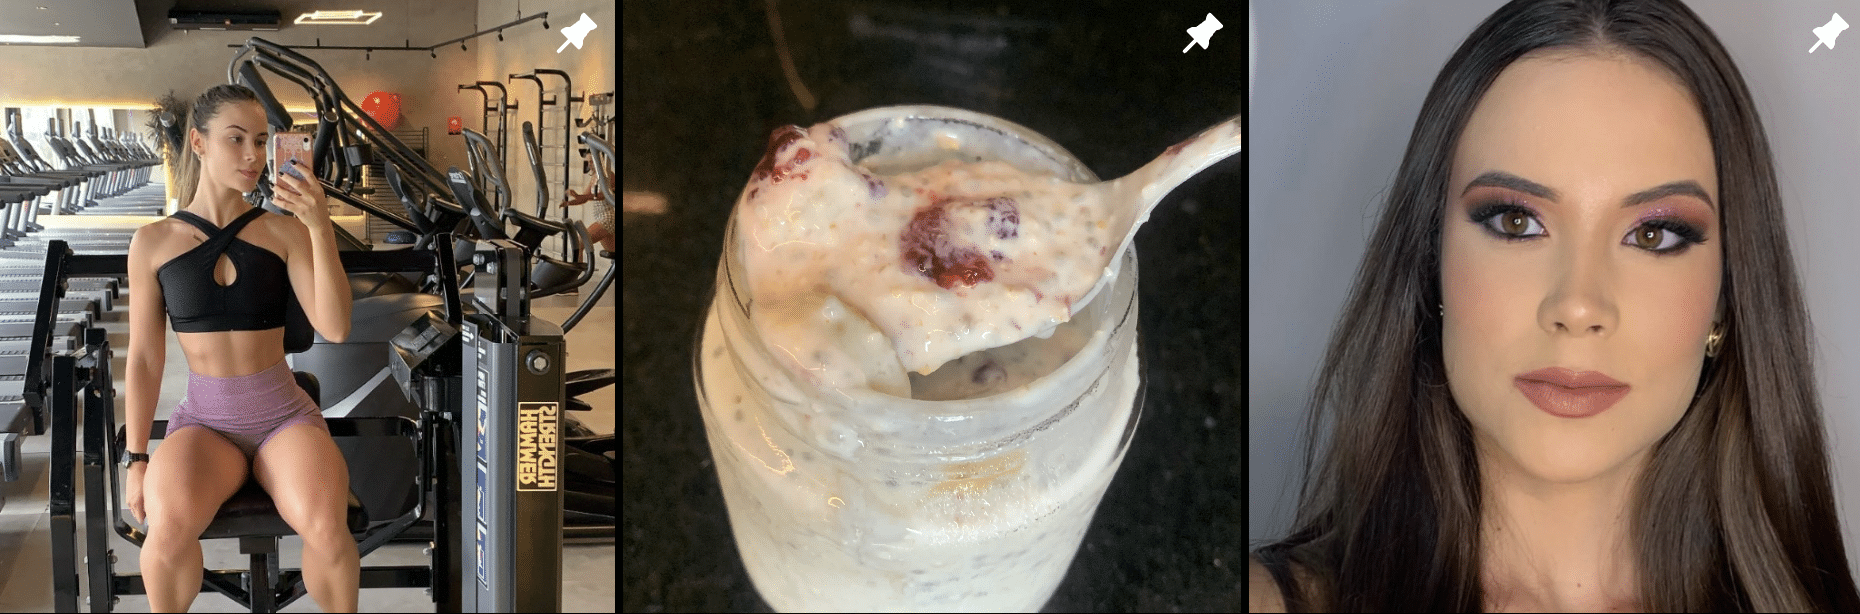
(306, 476)
(190, 474)
(602, 235)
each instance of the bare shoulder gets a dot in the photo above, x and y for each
(154, 242)
(157, 229)
(1262, 591)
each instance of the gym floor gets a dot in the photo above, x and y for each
(25, 541)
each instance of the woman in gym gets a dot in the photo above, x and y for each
(602, 230)
(222, 271)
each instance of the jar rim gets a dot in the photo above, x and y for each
(886, 121)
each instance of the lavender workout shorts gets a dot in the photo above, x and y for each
(246, 409)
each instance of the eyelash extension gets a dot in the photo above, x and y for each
(1687, 233)
(1483, 214)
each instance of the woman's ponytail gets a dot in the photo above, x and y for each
(173, 117)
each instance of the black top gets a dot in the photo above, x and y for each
(257, 297)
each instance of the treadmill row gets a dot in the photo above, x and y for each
(123, 189)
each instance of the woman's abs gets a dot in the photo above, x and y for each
(232, 353)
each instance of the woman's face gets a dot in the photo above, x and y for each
(1579, 191)
(232, 154)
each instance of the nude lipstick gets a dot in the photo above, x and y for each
(1570, 394)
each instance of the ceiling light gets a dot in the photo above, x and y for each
(37, 40)
(337, 18)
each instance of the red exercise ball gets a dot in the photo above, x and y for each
(384, 107)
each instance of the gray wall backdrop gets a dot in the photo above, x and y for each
(1336, 89)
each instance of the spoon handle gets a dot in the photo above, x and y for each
(1140, 191)
(1149, 184)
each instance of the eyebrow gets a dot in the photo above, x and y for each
(1501, 179)
(242, 128)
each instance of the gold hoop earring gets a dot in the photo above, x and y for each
(1715, 340)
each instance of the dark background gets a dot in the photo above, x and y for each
(1108, 81)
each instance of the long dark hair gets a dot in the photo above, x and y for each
(1389, 515)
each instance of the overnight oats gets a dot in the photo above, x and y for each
(905, 408)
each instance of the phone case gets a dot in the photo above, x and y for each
(286, 147)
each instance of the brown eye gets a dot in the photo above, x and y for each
(1516, 224)
(1647, 237)
(1662, 236)
(1509, 222)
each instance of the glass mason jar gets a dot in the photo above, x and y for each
(855, 500)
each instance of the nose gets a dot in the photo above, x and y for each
(1582, 300)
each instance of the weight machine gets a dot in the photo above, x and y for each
(436, 213)
(489, 379)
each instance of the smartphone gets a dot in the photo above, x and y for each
(285, 147)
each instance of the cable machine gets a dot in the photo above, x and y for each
(600, 122)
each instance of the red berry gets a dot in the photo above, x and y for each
(928, 251)
(779, 140)
(968, 268)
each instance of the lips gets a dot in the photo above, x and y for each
(1570, 394)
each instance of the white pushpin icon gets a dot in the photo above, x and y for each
(576, 33)
(1827, 33)
(1203, 32)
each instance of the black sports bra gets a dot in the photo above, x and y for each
(257, 299)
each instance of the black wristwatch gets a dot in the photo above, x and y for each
(131, 457)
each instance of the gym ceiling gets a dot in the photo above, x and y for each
(136, 23)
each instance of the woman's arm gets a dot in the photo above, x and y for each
(322, 286)
(571, 198)
(148, 343)
(594, 191)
